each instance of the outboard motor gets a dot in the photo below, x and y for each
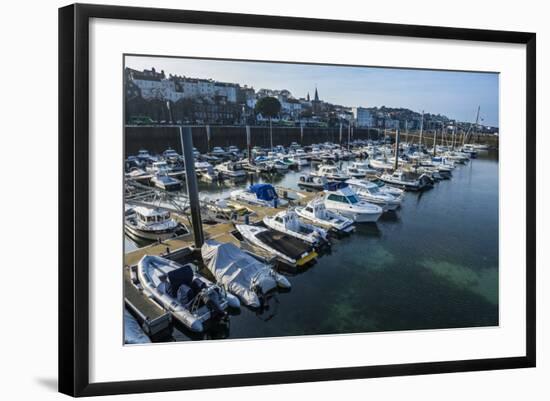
(213, 300)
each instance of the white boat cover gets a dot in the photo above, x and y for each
(133, 334)
(240, 273)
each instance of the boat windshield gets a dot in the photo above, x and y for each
(352, 199)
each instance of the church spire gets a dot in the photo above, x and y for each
(316, 95)
(308, 99)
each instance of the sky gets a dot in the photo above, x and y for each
(454, 94)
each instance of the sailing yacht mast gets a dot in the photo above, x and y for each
(477, 120)
(421, 128)
(435, 137)
(453, 135)
(470, 127)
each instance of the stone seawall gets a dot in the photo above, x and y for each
(157, 139)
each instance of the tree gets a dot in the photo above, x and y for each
(268, 107)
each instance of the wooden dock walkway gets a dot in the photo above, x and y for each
(152, 316)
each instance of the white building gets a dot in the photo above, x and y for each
(158, 89)
(391, 124)
(155, 85)
(362, 116)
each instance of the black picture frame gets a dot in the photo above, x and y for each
(74, 198)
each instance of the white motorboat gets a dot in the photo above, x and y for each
(288, 161)
(165, 182)
(259, 194)
(380, 164)
(398, 192)
(259, 165)
(203, 166)
(442, 163)
(354, 172)
(278, 165)
(298, 160)
(233, 149)
(328, 157)
(285, 248)
(294, 146)
(370, 192)
(144, 156)
(316, 212)
(312, 181)
(240, 273)
(172, 155)
(478, 146)
(340, 198)
(232, 170)
(191, 298)
(406, 181)
(218, 151)
(206, 171)
(330, 172)
(288, 222)
(458, 157)
(138, 174)
(151, 224)
(363, 167)
(225, 208)
(162, 168)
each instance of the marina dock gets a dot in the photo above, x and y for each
(153, 318)
(347, 259)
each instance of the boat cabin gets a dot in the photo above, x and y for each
(341, 193)
(151, 216)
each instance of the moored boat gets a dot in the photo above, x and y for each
(285, 248)
(407, 182)
(288, 222)
(231, 169)
(340, 198)
(371, 193)
(316, 212)
(151, 224)
(312, 181)
(191, 299)
(165, 182)
(240, 273)
(259, 194)
(331, 173)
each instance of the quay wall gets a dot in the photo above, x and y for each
(156, 139)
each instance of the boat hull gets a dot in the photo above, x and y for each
(151, 235)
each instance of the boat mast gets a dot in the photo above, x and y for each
(453, 136)
(435, 137)
(477, 121)
(385, 147)
(421, 128)
(396, 163)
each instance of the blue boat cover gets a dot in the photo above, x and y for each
(183, 275)
(335, 185)
(264, 191)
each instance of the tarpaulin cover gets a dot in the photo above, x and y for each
(239, 272)
(264, 191)
(133, 334)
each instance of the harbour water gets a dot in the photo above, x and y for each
(431, 265)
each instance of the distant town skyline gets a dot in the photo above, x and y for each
(452, 93)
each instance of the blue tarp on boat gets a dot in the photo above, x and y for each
(264, 192)
(335, 185)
